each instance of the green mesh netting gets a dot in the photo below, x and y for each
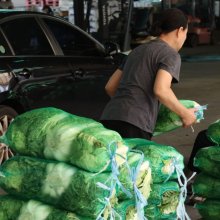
(208, 160)
(56, 183)
(153, 212)
(162, 158)
(126, 209)
(164, 193)
(12, 208)
(213, 132)
(163, 201)
(143, 180)
(209, 209)
(168, 120)
(206, 186)
(26, 134)
(55, 134)
(133, 143)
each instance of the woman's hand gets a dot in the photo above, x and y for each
(189, 118)
(164, 93)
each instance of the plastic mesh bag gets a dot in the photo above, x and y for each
(168, 120)
(163, 159)
(209, 209)
(133, 143)
(55, 134)
(126, 209)
(213, 132)
(207, 160)
(143, 178)
(163, 201)
(14, 208)
(58, 184)
(153, 212)
(206, 186)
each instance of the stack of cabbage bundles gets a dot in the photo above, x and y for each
(169, 184)
(70, 167)
(207, 182)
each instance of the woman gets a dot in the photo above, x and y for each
(146, 81)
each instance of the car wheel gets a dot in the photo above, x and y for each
(7, 114)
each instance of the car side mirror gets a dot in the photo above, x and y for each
(111, 48)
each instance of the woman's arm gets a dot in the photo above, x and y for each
(113, 82)
(164, 93)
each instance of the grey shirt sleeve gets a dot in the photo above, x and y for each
(171, 63)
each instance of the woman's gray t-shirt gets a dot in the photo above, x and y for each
(134, 101)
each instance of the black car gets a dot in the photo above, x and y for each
(47, 61)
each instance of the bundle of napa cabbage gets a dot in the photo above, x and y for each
(168, 120)
(12, 208)
(209, 209)
(58, 184)
(55, 134)
(126, 209)
(207, 160)
(213, 132)
(136, 171)
(206, 186)
(165, 161)
(163, 201)
(134, 143)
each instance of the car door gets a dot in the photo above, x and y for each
(5, 74)
(90, 65)
(34, 64)
(46, 76)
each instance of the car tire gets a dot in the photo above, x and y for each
(7, 114)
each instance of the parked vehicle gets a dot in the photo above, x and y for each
(47, 61)
(198, 33)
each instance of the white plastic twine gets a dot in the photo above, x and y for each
(192, 129)
(199, 114)
(115, 170)
(107, 204)
(181, 211)
(113, 179)
(140, 200)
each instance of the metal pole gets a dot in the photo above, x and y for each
(127, 39)
(78, 8)
(212, 14)
(87, 23)
(193, 7)
(103, 20)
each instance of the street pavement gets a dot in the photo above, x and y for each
(199, 81)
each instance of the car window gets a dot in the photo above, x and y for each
(26, 37)
(4, 49)
(72, 41)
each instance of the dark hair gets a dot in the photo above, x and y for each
(169, 20)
